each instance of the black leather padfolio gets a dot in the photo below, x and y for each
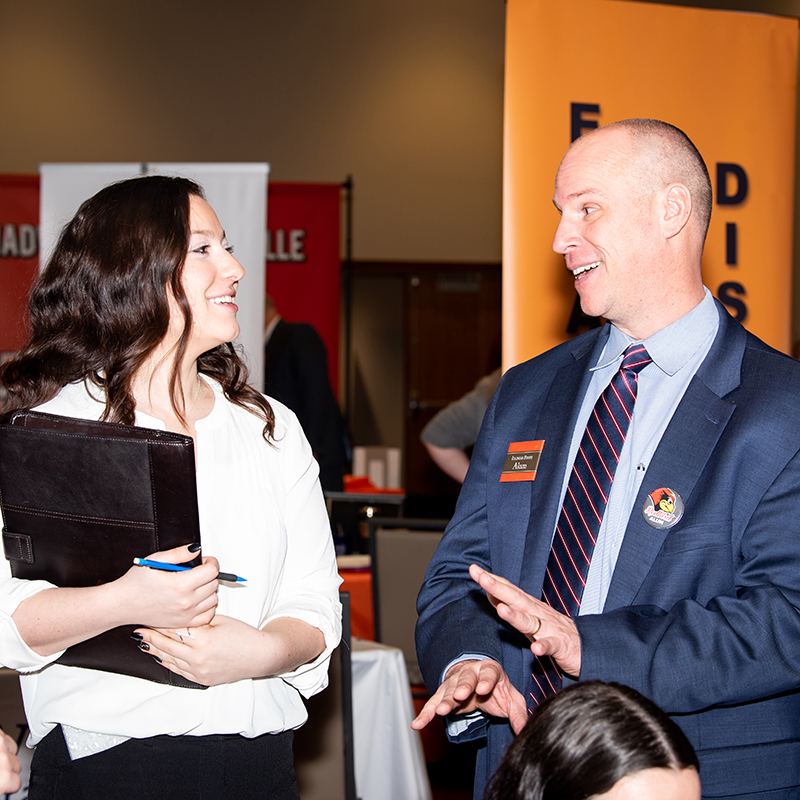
(82, 499)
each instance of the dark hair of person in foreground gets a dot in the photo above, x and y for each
(100, 307)
(583, 740)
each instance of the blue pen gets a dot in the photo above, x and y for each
(223, 576)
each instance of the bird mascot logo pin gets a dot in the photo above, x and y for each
(663, 508)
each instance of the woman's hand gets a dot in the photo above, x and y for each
(227, 650)
(161, 599)
(57, 618)
(9, 765)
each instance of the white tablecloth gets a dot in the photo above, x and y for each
(388, 754)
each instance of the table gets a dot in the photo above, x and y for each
(349, 512)
(389, 761)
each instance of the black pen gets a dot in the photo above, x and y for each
(223, 576)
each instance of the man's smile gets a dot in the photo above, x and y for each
(580, 270)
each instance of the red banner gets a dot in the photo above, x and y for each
(19, 255)
(303, 259)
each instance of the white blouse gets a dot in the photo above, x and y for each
(262, 515)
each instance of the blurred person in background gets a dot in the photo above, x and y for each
(296, 373)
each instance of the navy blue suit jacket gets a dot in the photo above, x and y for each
(704, 617)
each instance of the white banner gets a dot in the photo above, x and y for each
(237, 192)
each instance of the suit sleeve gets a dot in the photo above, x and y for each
(455, 618)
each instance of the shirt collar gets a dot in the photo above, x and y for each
(671, 347)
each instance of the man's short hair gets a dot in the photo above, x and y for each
(674, 159)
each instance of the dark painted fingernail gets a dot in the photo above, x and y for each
(194, 547)
(144, 646)
(137, 637)
(158, 659)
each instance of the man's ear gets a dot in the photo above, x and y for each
(676, 209)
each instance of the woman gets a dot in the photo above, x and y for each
(598, 740)
(131, 322)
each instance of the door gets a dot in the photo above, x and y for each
(453, 326)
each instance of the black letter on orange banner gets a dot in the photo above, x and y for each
(726, 294)
(740, 195)
(577, 123)
(731, 240)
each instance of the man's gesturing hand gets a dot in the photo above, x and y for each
(475, 685)
(550, 632)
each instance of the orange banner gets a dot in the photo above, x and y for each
(728, 79)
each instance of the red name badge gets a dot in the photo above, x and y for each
(522, 461)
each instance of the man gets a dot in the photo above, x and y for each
(296, 373)
(697, 608)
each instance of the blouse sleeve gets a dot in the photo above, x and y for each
(14, 653)
(310, 582)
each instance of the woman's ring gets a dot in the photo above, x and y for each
(538, 627)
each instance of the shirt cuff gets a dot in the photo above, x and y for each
(462, 728)
(14, 651)
(312, 677)
(465, 727)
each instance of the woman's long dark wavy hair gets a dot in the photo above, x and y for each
(99, 309)
(584, 739)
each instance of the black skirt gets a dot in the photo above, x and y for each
(175, 767)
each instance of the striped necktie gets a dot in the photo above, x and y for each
(585, 503)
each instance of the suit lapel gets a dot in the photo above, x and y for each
(681, 456)
(555, 427)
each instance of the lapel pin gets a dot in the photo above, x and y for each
(663, 508)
